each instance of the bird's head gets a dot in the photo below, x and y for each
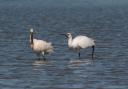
(31, 37)
(31, 30)
(68, 35)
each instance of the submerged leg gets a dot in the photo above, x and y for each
(93, 48)
(43, 56)
(79, 55)
(78, 50)
(38, 54)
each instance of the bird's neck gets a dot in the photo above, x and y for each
(70, 42)
(31, 38)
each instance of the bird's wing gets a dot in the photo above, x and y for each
(42, 46)
(83, 41)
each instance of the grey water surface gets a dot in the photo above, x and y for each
(106, 21)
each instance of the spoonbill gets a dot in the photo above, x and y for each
(80, 42)
(40, 47)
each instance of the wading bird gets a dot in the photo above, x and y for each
(40, 47)
(80, 42)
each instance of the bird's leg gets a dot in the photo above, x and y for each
(93, 48)
(79, 54)
(43, 56)
(78, 50)
(38, 54)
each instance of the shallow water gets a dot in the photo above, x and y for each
(106, 23)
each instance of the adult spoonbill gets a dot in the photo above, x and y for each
(80, 42)
(40, 47)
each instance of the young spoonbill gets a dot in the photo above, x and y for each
(40, 47)
(80, 42)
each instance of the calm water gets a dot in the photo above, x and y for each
(106, 23)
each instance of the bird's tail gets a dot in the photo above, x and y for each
(50, 48)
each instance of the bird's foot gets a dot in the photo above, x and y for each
(39, 58)
(44, 59)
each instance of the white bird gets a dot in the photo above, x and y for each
(80, 42)
(40, 47)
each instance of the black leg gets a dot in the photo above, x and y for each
(93, 48)
(79, 55)
(44, 59)
(39, 58)
(43, 56)
(38, 54)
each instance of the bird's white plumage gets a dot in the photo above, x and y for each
(31, 30)
(42, 46)
(82, 42)
(79, 41)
